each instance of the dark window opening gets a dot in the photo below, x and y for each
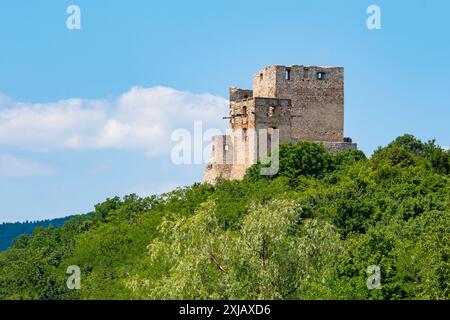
(288, 74)
(320, 75)
(244, 111)
(272, 110)
(261, 76)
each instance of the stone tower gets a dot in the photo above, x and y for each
(297, 102)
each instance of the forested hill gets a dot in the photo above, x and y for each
(311, 232)
(10, 231)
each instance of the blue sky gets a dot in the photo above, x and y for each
(80, 103)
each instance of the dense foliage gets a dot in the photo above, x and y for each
(310, 232)
(10, 231)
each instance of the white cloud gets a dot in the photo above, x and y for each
(142, 118)
(12, 166)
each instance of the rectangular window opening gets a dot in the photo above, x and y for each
(272, 110)
(320, 75)
(288, 74)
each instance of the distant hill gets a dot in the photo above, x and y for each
(10, 231)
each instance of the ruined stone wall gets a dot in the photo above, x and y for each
(236, 94)
(242, 123)
(336, 147)
(251, 116)
(222, 149)
(217, 171)
(276, 114)
(264, 83)
(317, 95)
(222, 162)
(242, 114)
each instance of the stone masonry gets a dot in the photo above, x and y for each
(288, 103)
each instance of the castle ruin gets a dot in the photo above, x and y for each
(289, 103)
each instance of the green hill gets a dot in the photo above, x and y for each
(10, 231)
(310, 232)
